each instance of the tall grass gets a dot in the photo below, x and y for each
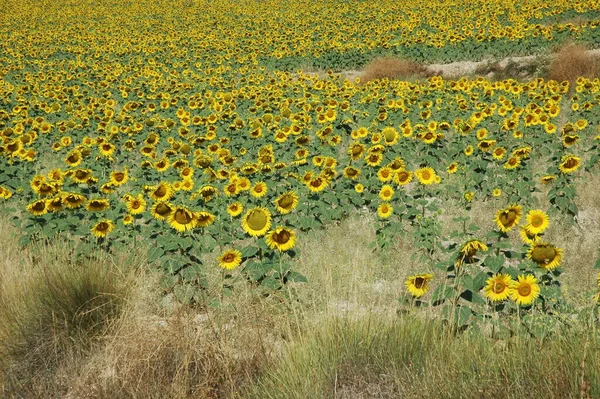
(417, 358)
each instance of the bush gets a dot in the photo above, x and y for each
(392, 68)
(571, 62)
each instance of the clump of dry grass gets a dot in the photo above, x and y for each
(571, 62)
(392, 68)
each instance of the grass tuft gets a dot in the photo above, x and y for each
(571, 62)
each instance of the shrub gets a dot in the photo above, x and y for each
(571, 62)
(392, 68)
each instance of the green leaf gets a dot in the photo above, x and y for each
(296, 277)
(249, 252)
(441, 293)
(184, 293)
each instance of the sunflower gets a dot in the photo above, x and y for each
(537, 221)
(359, 188)
(386, 193)
(317, 184)
(569, 164)
(525, 290)
(235, 209)
(256, 221)
(136, 205)
(281, 238)
(426, 175)
(208, 192)
(356, 151)
(287, 202)
(162, 192)
(351, 173)
(161, 210)
(107, 149)
(73, 201)
(452, 168)
(497, 288)
(546, 256)
(469, 150)
(259, 190)
(204, 219)
(469, 250)
(418, 285)
(512, 163)
(103, 228)
(182, 219)
(74, 158)
(390, 135)
(508, 218)
(38, 208)
(127, 219)
(403, 177)
(97, 205)
(496, 192)
(230, 259)
(118, 178)
(374, 159)
(385, 174)
(80, 176)
(5, 193)
(385, 210)
(548, 179)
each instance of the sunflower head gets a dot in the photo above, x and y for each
(257, 221)
(537, 221)
(546, 256)
(508, 218)
(281, 238)
(287, 202)
(418, 285)
(230, 259)
(103, 228)
(525, 290)
(497, 288)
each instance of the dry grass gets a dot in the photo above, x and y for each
(392, 68)
(571, 62)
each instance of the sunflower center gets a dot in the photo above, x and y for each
(402, 177)
(543, 254)
(426, 175)
(570, 163)
(119, 176)
(507, 218)
(229, 258)
(135, 204)
(102, 227)
(286, 201)
(356, 150)
(537, 221)
(183, 217)
(257, 220)
(281, 237)
(39, 206)
(163, 209)
(161, 191)
(524, 290)
(498, 287)
(420, 282)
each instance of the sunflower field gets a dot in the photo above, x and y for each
(190, 127)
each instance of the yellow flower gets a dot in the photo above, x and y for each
(569, 164)
(418, 285)
(259, 190)
(230, 259)
(426, 175)
(537, 221)
(386, 193)
(257, 221)
(281, 238)
(235, 209)
(385, 210)
(136, 205)
(508, 218)
(103, 228)
(287, 202)
(546, 256)
(497, 288)
(525, 290)
(182, 219)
